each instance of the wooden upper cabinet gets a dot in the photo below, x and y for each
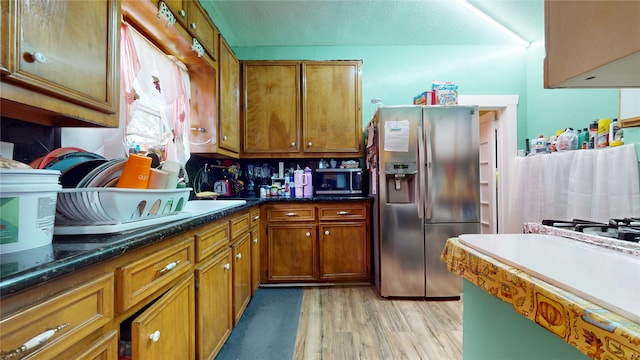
(60, 60)
(192, 17)
(302, 109)
(271, 108)
(332, 107)
(229, 119)
(592, 44)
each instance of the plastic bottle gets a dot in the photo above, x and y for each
(308, 186)
(593, 135)
(615, 134)
(583, 139)
(603, 132)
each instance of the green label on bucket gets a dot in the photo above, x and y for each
(9, 216)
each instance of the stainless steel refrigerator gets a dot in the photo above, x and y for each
(426, 186)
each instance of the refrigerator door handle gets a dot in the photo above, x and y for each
(428, 151)
(421, 183)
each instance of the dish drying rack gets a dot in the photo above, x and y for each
(113, 206)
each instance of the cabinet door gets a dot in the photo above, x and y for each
(201, 27)
(255, 260)
(332, 120)
(213, 304)
(229, 120)
(291, 252)
(68, 50)
(179, 9)
(166, 329)
(271, 102)
(241, 251)
(344, 251)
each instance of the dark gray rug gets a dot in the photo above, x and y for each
(268, 327)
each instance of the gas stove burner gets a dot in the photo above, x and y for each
(631, 222)
(627, 229)
(628, 233)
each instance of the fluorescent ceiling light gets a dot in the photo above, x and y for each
(495, 23)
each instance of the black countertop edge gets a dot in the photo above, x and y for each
(69, 253)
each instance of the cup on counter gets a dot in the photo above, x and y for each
(135, 173)
(158, 179)
(173, 169)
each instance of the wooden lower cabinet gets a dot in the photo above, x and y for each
(213, 304)
(255, 260)
(344, 252)
(254, 220)
(317, 242)
(166, 329)
(177, 298)
(75, 313)
(292, 252)
(241, 251)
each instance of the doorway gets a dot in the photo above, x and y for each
(498, 150)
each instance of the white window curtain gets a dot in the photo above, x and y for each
(152, 78)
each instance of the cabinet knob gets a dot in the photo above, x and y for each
(200, 129)
(308, 234)
(257, 217)
(292, 214)
(183, 13)
(342, 213)
(239, 256)
(293, 144)
(326, 232)
(224, 138)
(35, 341)
(309, 144)
(169, 267)
(193, 25)
(155, 336)
(38, 57)
(227, 266)
(255, 241)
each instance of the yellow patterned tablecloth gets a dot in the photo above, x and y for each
(596, 332)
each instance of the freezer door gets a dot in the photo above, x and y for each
(452, 163)
(402, 266)
(440, 282)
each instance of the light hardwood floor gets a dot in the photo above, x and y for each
(353, 322)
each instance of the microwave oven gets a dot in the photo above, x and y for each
(338, 181)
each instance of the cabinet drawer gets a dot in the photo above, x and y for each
(211, 238)
(143, 277)
(240, 224)
(77, 313)
(254, 217)
(291, 213)
(343, 211)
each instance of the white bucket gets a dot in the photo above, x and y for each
(27, 208)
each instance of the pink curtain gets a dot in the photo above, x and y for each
(148, 72)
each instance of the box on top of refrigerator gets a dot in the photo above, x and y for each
(425, 98)
(446, 93)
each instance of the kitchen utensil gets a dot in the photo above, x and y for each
(222, 187)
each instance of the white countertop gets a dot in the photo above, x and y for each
(605, 277)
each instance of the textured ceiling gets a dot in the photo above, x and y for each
(373, 22)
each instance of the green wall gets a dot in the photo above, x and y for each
(493, 330)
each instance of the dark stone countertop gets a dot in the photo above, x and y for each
(68, 253)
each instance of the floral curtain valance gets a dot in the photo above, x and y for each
(151, 78)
